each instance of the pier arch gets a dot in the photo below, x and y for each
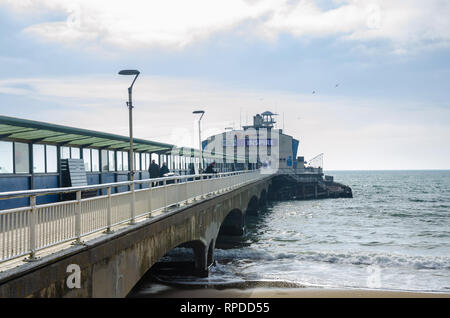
(233, 224)
(253, 205)
(263, 198)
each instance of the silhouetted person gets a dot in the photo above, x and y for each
(210, 168)
(163, 170)
(154, 170)
(191, 168)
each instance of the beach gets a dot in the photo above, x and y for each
(170, 292)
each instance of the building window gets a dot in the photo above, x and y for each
(143, 161)
(74, 153)
(87, 159)
(154, 156)
(125, 161)
(105, 160)
(112, 162)
(39, 158)
(21, 157)
(147, 161)
(95, 160)
(70, 152)
(52, 159)
(6, 157)
(119, 161)
(65, 153)
(137, 161)
(44, 159)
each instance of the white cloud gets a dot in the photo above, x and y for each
(177, 23)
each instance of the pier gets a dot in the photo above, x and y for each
(73, 223)
(114, 248)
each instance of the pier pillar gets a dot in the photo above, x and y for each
(210, 259)
(315, 191)
(201, 260)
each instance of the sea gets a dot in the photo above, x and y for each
(394, 234)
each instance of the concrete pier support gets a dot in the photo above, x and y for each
(210, 256)
(201, 260)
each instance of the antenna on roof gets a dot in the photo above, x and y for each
(240, 117)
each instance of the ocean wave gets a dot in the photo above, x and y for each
(250, 254)
(382, 260)
(441, 206)
(424, 200)
(376, 243)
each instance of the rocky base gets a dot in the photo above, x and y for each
(286, 187)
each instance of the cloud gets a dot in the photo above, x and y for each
(132, 24)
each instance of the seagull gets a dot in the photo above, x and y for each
(336, 85)
(314, 92)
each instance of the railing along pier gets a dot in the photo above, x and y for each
(27, 230)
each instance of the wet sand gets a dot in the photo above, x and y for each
(162, 291)
(305, 293)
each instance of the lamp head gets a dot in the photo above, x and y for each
(129, 72)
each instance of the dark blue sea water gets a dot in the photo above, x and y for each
(393, 235)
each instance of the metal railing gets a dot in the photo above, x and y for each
(26, 230)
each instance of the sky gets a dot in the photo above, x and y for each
(379, 70)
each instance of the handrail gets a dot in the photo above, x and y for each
(38, 192)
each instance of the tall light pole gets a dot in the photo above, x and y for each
(200, 136)
(130, 118)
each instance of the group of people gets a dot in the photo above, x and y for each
(157, 172)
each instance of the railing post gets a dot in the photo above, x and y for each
(178, 187)
(186, 182)
(204, 180)
(194, 184)
(150, 199)
(165, 195)
(78, 219)
(32, 226)
(133, 205)
(109, 215)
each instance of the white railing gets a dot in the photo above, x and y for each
(26, 230)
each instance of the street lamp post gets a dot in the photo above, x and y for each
(130, 118)
(200, 136)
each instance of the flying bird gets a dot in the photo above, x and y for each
(336, 85)
(314, 92)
